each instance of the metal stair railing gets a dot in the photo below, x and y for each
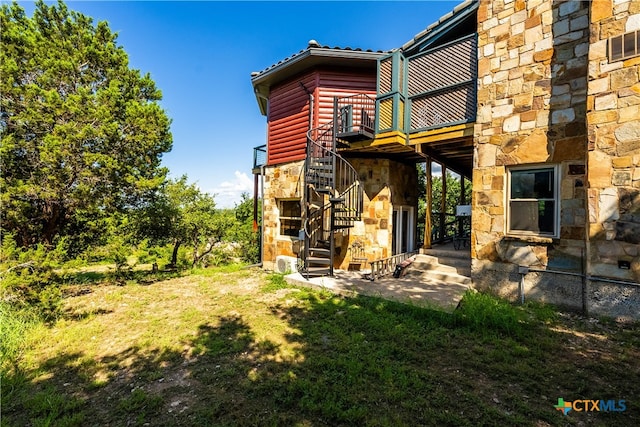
(340, 184)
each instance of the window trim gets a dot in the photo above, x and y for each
(633, 37)
(556, 199)
(290, 218)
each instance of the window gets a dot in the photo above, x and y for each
(533, 206)
(290, 217)
(624, 46)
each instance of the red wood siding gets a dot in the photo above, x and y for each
(288, 118)
(333, 84)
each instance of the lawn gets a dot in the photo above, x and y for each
(240, 347)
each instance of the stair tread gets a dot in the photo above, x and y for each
(316, 273)
(326, 190)
(320, 251)
(321, 159)
(321, 167)
(318, 260)
(312, 175)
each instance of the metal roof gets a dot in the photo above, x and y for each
(437, 29)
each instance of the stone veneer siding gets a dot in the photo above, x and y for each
(283, 181)
(613, 123)
(531, 110)
(386, 182)
(546, 95)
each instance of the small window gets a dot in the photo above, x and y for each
(290, 217)
(533, 201)
(624, 46)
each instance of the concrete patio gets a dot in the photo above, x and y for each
(425, 282)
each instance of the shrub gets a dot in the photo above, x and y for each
(28, 277)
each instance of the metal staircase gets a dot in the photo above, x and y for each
(333, 200)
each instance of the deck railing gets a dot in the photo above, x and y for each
(355, 115)
(259, 157)
(437, 87)
(442, 85)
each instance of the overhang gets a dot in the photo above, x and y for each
(454, 24)
(312, 57)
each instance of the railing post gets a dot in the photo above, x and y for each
(462, 202)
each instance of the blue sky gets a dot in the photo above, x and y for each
(201, 55)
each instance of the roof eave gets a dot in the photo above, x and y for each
(440, 27)
(315, 56)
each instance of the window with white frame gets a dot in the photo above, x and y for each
(533, 202)
(290, 217)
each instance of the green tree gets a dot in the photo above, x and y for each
(243, 233)
(192, 219)
(82, 133)
(452, 198)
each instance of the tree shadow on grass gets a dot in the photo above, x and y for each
(80, 281)
(341, 361)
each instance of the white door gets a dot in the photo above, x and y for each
(403, 229)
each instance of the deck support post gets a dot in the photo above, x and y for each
(428, 197)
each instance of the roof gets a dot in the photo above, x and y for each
(314, 55)
(441, 27)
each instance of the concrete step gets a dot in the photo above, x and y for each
(440, 276)
(459, 266)
(445, 260)
(450, 270)
(463, 253)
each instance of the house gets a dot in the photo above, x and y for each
(536, 103)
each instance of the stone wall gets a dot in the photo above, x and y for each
(549, 95)
(532, 101)
(282, 181)
(613, 121)
(386, 183)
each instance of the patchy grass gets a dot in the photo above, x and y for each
(239, 347)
